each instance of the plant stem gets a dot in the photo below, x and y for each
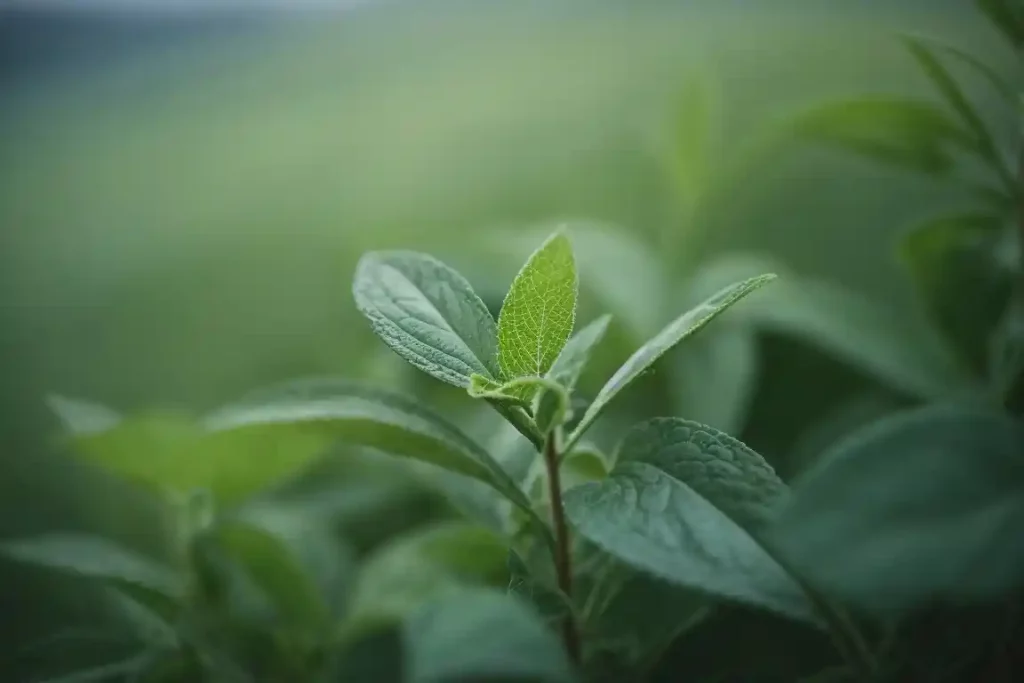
(563, 548)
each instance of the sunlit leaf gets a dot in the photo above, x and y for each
(926, 505)
(682, 327)
(428, 314)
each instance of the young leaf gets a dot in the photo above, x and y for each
(922, 506)
(539, 311)
(569, 365)
(682, 327)
(97, 558)
(481, 636)
(428, 314)
(687, 504)
(551, 408)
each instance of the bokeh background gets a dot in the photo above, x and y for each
(184, 194)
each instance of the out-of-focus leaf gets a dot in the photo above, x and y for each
(1008, 16)
(953, 261)
(82, 417)
(95, 557)
(571, 362)
(539, 311)
(675, 332)
(696, 139)
(926, 505)
(432, 561)
(687, 504)
(428, 314)
(903, 132)
(552, 604)
(126, 669)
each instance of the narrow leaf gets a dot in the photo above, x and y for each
(97, 558)
(539, 311)
(569, 365)
(682, 327)
(428, 314)
(688, 503)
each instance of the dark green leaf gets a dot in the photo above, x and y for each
(687, 503)
(679, 329)
(428, 314)
(1008, 16)
(125, 669)
(97, 558)
(921, 506)
(550, 603)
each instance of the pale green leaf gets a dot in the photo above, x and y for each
(539, 311)
(82, 417)
(682, 327)
(569, 365)
(483, 636)
(551, 408)
(687, 504)
(926, 505)
(696, 139)
(95, 557)
(428, 314)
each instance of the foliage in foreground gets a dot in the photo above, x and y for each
(569, 560)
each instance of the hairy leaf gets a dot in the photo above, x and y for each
(539, 311)
(95, 557)
(921, 506)
(682, 327)
(428, 314)
(687, 503)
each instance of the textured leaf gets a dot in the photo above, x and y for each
(904, 132)
(97, 558)
(921, 506)
(361, 416)
(688, 504)
(569, 365)
(682, 327)
(483, 636)
(539, 311)
(428, 314)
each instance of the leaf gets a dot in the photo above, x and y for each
(695, 140)
(913, 134)
(95, 557)
(82, 417)
(361, 416)
(426, 563)
(682, 327)
(539, 311)
(1007, 18)
(569, 365)
(552, 604)
(927, 505)
(688, 504)
(551, 409)
(428, 314)
(483, 636)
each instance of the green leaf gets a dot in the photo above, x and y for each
(688, 504)
(927, 505)
(552, 604)
(695, 140)
(361, 416)
(82, 417)
(551, 408)
(426, 563)
(682, 327)
(902, 132)
(569, 365)
(1008, 16)
(483, 636)
(95, 557)
(428, 314)
(539, 311)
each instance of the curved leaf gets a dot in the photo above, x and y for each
(428, 314)
(688, 503)
(682, 327)
(569, 365)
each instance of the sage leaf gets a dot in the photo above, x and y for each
(682, 327)
(569, 365)
(95, 557)
(688, 503)
(428, 314)
(539, 311)
(922, 506)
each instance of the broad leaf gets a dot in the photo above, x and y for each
(569, 365)
(539, 311)
(922, 506)
(95, 557)
(904, 132)
(360, 416)
(682, 327)
(687, 504)
(483, 636)
(428, 314)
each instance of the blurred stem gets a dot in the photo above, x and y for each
(563, 547)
